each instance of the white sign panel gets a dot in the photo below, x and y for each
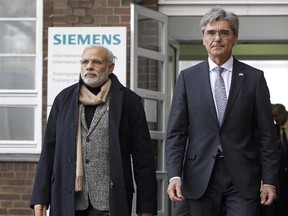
(65, 47)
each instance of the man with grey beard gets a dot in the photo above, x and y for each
(96, 135)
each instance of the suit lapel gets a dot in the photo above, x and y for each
(205, 80)
(238, 76)
(99, 112)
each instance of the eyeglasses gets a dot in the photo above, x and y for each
(222, 33)
(95, 62)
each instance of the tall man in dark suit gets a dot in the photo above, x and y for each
(227, 136)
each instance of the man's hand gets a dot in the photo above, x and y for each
(267, 195)
(40, 210)
(174, 190)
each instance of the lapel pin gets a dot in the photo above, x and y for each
(241, 74)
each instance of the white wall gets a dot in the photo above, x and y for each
(276, 74)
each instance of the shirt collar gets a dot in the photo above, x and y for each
(228, 65)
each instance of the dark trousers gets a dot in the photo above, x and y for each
(221, 198)
(269, 210)
(180, 209)
(282, 197)
(91, 211)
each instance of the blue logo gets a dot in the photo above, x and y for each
(88, 39)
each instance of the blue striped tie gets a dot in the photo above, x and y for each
(220, 94)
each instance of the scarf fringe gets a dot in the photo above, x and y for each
(79, 183)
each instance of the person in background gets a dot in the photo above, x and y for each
(221, 117)
(271, 210)
(281, 120)
(95, 133)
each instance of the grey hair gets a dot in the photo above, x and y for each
(216, 14)
(110, 56)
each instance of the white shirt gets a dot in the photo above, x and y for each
(226, 74)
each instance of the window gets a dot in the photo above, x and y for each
(20, 76)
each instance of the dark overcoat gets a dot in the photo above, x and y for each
(128, 138)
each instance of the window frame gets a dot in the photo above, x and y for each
(26, 98)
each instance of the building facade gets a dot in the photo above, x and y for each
(17, 163)
(23, 68)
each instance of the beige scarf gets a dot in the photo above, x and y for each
(86, 98)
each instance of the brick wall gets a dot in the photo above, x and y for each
(16, 179)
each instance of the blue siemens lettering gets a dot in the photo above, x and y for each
(57, 39)
(117, 39)
(72, 39)
(84, 39)
(96, 39)
(80, 39)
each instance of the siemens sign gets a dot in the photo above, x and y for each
(86, 39)
(65, 47)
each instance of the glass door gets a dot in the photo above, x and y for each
(148, 77)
